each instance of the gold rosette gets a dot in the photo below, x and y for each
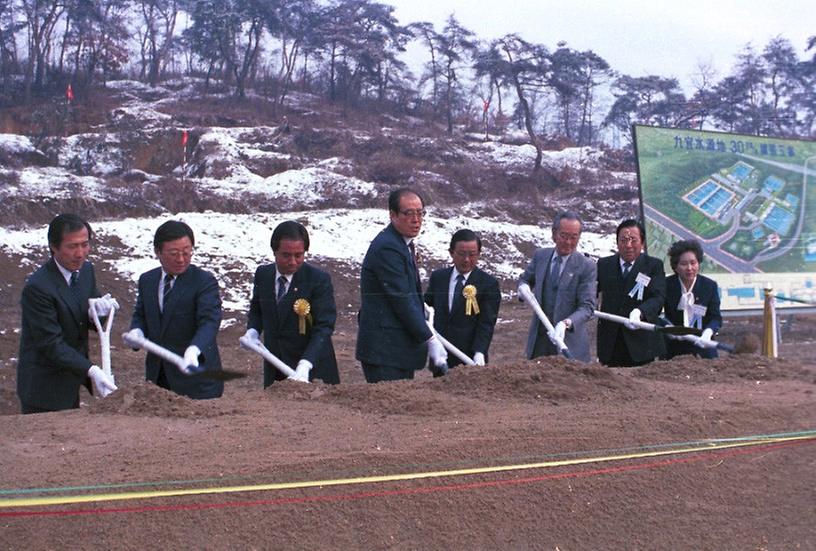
(471, 306)
(303, 310)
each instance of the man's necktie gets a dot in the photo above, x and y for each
(626, 267)
(74, 286)
(555, 272)
(281, 288)
(168, 285)
(457, 293)
(414, 264)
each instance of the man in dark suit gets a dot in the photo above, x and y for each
(394, 340)
(465, 300)
(631, 284)
(563, 281)
(293, 306)
(54, 338)
(178, 307)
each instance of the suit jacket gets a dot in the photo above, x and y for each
(614, 289)
(392, 323)
(706, 293)
(54, 338)
(473, 333)
(279, 322)
(192, 315)
(574, 299)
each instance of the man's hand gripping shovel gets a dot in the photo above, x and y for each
(527, 296)
(139, 341)
(674, 332)
(254, 345)
(449, 346)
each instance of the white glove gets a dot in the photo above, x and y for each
(135, 335)
(429, 314)
(523, 289)
(302, 371)
(704, 340)
(439, 356)
(191, 358)
(250, 339)
(478, 358)
(634, 316)
(102, 305)
(102, 382)
(560, 330)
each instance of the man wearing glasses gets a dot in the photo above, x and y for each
(631, 284)
(178, 306)
(394, 340)
(465, 300)
(563, 282)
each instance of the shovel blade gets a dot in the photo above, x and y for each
(679, 330)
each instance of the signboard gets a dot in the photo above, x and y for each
(749, 200)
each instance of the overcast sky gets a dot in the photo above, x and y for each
(636, 37)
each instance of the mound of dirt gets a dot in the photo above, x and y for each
(692, 370)
(146, 399)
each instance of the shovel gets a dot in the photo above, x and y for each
(104, 334)
(449, 346)
(527, 295)
(264, 352)
(178, 361)
(681, 335)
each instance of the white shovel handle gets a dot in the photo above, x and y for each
(528, 297)
(159, 351)
(652, 327)
(269, 357)
(625, 321)
(449, 346)
(104, 335)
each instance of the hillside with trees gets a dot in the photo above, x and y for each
(353, 54)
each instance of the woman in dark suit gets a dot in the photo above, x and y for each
(692, 300)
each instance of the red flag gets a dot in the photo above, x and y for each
(184, 137)
(69, 93)
(486, 106)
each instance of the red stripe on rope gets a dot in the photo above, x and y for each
(413, 491)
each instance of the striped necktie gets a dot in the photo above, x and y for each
(281, 288)
(168, 286)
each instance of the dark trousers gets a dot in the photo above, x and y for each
(161, 380)
(25, 409)
(621, 356)
(376, 373)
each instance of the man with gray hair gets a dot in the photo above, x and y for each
(563, 281)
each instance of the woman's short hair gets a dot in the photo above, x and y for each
(679, 247)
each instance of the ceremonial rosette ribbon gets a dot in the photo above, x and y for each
(471, 306)
(303, 310)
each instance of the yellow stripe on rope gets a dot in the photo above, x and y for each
(94, 498)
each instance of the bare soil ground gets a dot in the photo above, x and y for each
(586, 451)
(546, 454)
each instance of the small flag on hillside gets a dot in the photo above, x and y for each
(69, 93)
(184, 137)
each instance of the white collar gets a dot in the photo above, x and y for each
(66, 273)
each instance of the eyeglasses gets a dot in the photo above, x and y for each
(179, 253)
(411, 213)
(569, 236)
(628, 240)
